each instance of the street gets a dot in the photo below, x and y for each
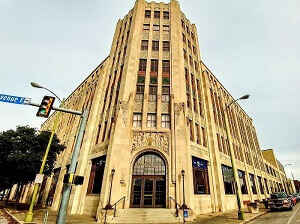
(280, 217)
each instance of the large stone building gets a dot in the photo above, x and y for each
(155, 109)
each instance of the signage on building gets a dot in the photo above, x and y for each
(14, 99)
(228, 175)
(39, 178)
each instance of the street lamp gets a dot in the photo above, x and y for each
(183, 206)
(35, 85)
(29, 215)
(108, 206)
(232, 158)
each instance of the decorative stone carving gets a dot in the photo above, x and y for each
(147, 21)
(142, 140)
(165, 107)
(155, 54)
(144, 54)
(166, 55)
(165, 22)
(196, 118)
(155, 35)
(138, 106)
(166, 36)
(124, 105)
(166, 6)
(156, 21)
(178, 108)
(152, 106)
(145, 35)
(198, 149)
(99, 147)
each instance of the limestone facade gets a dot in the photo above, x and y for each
(151, 100)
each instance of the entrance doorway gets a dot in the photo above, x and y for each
(149, 182)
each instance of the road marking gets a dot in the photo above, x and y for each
(292, 216)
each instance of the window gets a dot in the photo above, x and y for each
(228, 186)
(260, 185)
(194, 50)
(187, 29)
(143, 64)
(144, 45)
(165, 121)
(198, 137)
(193, 36)
(190, 124)
(252, 183)
(189, 44)
(200, 176)
(183, 38)
(96, 176)
(166, 15)
(166, 46)
(165, 94)
(155, 45)
(152, 93)
(203, 136)
(146, 27)
(151, 120)
(139, 95)
(184, 54)
(243, 184)
(154, 65)
(156, 27)
(137, 120)
(166, 66)
(156, 14)
(182, 24)
(104, 131)
(147, 14)
(266, 184)
(166, 28)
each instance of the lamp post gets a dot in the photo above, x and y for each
(108, 206)
(183, 206)
(29, 215)
(232, 158)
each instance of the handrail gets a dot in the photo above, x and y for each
(115, 204)
(175, 202)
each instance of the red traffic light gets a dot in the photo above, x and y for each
(45, 106)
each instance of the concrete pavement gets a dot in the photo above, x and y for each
(280, 217)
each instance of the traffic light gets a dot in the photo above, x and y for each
(45, 106)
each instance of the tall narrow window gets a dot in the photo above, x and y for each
(104, 131)
(166, 15)
(156, 27)
(147, 14)
(155, 45)
(191, 130)
(166, 46)
(198, 138)
(242, 181)
(146, 27)
(96, 176)
(152, 93)
(137, 120)
(228, 185)
(165, 121)
(143, 64)
(156, 14)
(200, 176)
(154, 66)
(165, 94)
(139, 95)
(252, 183)
(144, 45)
(166, 28)
(166, 66)
(203, 137)
(151, 120)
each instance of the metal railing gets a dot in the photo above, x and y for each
(115, 205)
(178, 206)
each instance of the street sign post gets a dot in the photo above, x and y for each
(14, 99)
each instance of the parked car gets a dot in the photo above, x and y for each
(280, 200)
(297, 196)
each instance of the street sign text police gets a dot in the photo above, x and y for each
(14, 99)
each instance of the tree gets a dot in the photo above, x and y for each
(21, 153)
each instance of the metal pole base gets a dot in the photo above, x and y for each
(240, 215)
(29, 217)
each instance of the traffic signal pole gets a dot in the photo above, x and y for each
(67, 190)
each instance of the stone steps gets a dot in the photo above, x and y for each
(137, 215)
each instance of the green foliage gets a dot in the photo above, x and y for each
(21, 154)
(166, 81)
(153, 80)
(141, 79)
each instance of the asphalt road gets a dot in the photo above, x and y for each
(280, 217)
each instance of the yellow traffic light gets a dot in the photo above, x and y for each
(45, 106)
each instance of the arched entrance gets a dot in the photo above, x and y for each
(148, 189)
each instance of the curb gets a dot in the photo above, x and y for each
(248, 220)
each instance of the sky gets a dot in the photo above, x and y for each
(251, 46)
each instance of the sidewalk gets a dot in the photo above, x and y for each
(213, 218)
